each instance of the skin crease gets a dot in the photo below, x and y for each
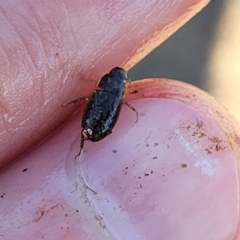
(44, 192)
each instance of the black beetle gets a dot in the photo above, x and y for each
(102, 110)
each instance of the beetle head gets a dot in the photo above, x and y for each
(118, 72)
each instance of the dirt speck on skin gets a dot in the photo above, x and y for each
(208, 151)
(114, 151)
(100, 220)
(217, 143)
(214, 139)
(25, 169)
(197, 129)
(40, 214)
(42, 211)
(2, 196)
(134, 92)
(236, 140)
(184, 165)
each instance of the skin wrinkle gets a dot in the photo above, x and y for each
(36, 35)
(8, 124)
(3, 108)
(33, 23)
(51, 60)
(2, 132)
(42, 91)
(27, 27)
(64, 76)
(21, 39)
(69, 24)
(5, 57)
(6, 129)
(14, 129)
(44, 53)
(21, 72)
(116, 10)
(35, 111)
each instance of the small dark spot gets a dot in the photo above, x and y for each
(139, 177)
(135, 193)
(155, 144)
(201, 134)
(215, 140)
(56, 54)
(134, 92)
(114, 151)
(66, 215)
(151, 171)
(140, 185)
(184, 165)
(147, 145)
(163, 175)
(126, 167)
(77, 210)
(154, 158)
(146, 174)
(25, 169)
(208, 151)
(61, 227)
(2, 195)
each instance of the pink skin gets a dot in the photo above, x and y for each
(171, 175)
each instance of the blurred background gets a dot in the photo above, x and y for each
(205, 52)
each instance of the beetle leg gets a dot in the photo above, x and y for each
(128, 80)
(76, 101)
(131, 107)
(81, 145)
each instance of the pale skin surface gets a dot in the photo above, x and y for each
(52, 53)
